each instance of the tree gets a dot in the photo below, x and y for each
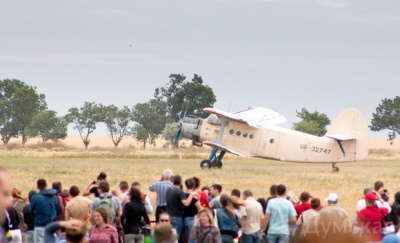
(116, 121)
(19, 104)
(152, 116)
(47, 125)
(169, 132)
(141, 134)
(84, 120)
(387, 116)
(180, 94)
(312, 123)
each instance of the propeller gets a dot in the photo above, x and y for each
(179, 132)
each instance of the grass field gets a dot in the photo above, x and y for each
(254, 174)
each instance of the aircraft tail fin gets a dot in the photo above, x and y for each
(350, 128)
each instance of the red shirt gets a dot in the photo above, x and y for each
(300, 208)
(204, 200)
(369, 219)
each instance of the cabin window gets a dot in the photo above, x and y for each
(231, 131)
(238, 133)
(272, 140)
(251, 136)
(245, 135)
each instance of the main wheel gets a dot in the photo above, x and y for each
(218, 165)
(336, 169)
(205, 164)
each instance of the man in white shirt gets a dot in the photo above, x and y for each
(251, 219)
(308, 220)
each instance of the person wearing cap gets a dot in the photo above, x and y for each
(370, 218)
(333, 215)
(361, 204)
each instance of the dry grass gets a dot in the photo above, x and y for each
(254, 174)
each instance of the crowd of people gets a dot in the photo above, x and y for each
(186, 212)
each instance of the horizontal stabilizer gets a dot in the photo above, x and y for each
(340, 137)
(221, 147)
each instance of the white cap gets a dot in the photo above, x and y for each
(332, 197)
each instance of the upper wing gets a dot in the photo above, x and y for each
(252, 117)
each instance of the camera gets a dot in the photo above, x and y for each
(385, 190)
(94, 182)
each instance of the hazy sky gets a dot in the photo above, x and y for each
(324, 55)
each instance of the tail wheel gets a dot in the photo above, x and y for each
(205, 164)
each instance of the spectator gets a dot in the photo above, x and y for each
(161, 187)
(333, 215)
(58, 187)
(165, 234)
(203, 196)
(102, 231)
(236, 193)
(206, 191)
(108, 201)
(11, 225)
(192, 209)
(215, 192)
(18, 203)
(239, 206)
(279, 214)
(75, 231)
(176, 199)
(132, 216)
(143, 196)
(370, 218)
(263, 204)
(65, 192)
(308, 220)
(205, 231)
(361, 204)
(78, 207)
(92, 187)
(124, 188)
(395, 212)
(4, 202)
(251, 219)
(45, 207)
(380, 189)
(303, 205)
(228, 222)
(28, 219)
(272, 194)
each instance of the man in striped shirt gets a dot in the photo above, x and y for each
(161, 187)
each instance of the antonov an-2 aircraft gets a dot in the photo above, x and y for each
(254, 133)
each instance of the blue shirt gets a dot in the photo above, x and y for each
(161, 188)
(280, 210)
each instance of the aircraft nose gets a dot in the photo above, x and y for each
(191, 128)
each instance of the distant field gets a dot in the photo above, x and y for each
(255, 174)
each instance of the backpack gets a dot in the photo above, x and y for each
(107, 204)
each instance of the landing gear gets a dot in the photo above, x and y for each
(335, 168)
(205, 164)
(214, 161)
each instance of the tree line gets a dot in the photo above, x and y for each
(24, 113)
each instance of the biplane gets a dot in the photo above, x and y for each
(255, 132)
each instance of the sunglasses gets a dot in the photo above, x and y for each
(164, 220)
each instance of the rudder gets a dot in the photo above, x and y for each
(348, 126)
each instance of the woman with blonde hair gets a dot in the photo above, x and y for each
(18, 203)
(204, 230)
